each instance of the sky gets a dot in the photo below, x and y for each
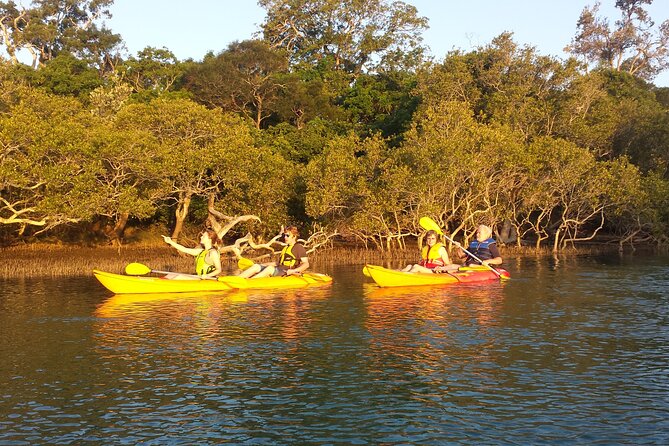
(192, 28)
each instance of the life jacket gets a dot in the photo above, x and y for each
(201, 265)
(480, 249)
(287, 258)
(429, 256)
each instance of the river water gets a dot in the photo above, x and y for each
(567, 352)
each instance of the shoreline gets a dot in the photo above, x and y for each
(34, 261)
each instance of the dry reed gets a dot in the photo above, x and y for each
(67, 261)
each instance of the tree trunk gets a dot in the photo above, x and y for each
(119, 227)
(508, 233)
(556, 241)
(181, 213)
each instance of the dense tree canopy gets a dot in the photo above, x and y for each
(633, 45)
(353, 35)
(48, 28)
(334, 119)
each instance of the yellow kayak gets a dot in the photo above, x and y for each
(385, 277)
(123, 284)
(304, 280)
(184, 283)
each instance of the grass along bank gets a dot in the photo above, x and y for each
(70, 261)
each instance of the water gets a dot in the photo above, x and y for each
(570, 352)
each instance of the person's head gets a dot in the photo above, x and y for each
(209, 236)
(290, 235)
(483, 232)
(431, 237)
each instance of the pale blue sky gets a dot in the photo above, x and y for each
(192, 28)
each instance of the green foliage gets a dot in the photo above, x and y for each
(382, 103)
(242, 79)
(352, 34)
(633, 45)
(329, 121)
(306, 96)
(66, 75)
(48, 28)
(45, 175)
(300, 145)
(152, 73)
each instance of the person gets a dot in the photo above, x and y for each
(433, 257)
(207, 257)
(483, 246)
(292, 260)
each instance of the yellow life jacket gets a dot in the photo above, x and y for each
(287, 258)
(430, 257)
(201, 265)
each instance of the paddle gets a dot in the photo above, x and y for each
(139, 269)
(314, 276)
(429, 224)
(234, 281)
(244, 264)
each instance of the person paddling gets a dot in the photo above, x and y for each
(292, 260)
(483, 246)
(433, 257)
(207, 257)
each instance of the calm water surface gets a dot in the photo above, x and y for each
(570, 352)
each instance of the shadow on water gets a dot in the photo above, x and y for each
(568, 351)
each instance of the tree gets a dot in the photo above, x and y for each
(243, 79)
(127, 173)
(153, 72)
(633, 45)
(356, 35)
(382, 103)
(66, 75)
(300, 145)
(50, 27)
(502, 83)
(305, 96)
(588, 115)
(340, 185)
(45, 177)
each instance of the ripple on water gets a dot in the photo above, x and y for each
(574, 353)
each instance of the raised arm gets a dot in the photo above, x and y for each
(178, 247)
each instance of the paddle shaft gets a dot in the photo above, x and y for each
(183, 274)
(428, 223)
(473, 256)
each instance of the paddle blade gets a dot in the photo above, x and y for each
(244, 263)
(317, 277)
(137, 269)
(429, 224)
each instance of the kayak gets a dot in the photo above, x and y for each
(295, 281)
(183, 283)
(385, 277)
(123, 284)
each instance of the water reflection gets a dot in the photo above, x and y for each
(568, 352)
